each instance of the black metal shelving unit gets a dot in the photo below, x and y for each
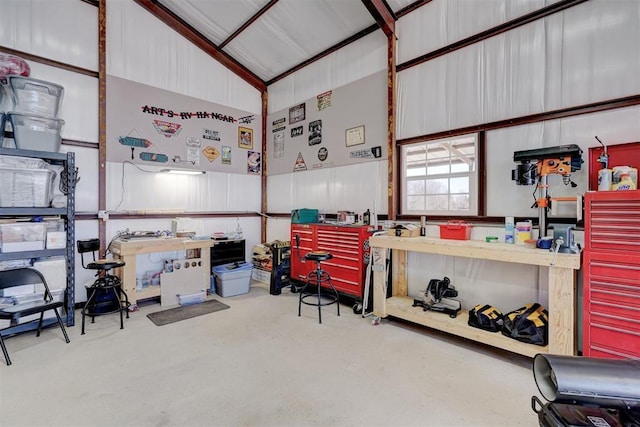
(67, 214)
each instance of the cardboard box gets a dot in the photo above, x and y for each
(404, 230)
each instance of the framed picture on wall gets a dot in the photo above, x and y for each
(354, 136)
(245, 138)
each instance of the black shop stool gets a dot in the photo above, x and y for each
(99, 293)
(312, 289)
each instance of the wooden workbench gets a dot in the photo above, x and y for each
(127, 250)
(562, 289)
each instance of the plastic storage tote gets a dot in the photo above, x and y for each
(38, 133)
(25, 188)
(32, 96)
(233, 279)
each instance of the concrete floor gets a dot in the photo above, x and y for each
(259, 364)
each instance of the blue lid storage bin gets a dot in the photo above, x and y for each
(304, 216)
(233, 279)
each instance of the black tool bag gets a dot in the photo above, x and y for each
(485, 317)
(527, 324)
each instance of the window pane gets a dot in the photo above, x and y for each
(460, 202)
(416, 203)
(415, 187)
(438, 203)
(438, 186)
(460, 185)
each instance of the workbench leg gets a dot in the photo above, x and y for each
(379, 260)
(562, 303)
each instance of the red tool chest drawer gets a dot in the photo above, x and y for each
(611, 267)
(349, 246)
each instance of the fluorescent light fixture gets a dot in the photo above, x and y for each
(183, 171)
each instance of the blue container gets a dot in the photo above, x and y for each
(233, 279)
(304, 216)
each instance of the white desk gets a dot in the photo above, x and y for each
(127, 250)
(562, 289)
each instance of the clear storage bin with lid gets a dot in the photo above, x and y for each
(32, 96)
(31, 132)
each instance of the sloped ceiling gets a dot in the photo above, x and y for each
(265, 40)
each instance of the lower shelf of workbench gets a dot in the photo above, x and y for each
(401, 307)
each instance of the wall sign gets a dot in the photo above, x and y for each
(151, 126)
(354, 136)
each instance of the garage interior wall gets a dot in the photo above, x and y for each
(585, 54)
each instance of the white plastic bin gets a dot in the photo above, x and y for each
(38, 133)
(233, 279)
(34, 96)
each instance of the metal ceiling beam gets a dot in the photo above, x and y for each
(383, 15)
(251, 20)
(191, 34)
(413, 6)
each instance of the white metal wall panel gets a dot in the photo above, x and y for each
(62, 30)
(79, 108)
(355, 187)
(545, 65)
(442, 22)
(600, 51)
(353, 62)
(156, 192)
(143, 49)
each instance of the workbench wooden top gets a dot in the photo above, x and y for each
(478, 249)
(156, 244)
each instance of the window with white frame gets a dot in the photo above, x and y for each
(440, 177)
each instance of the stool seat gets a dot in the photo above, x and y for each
(312, 293)
(318, 256)
(105, 264)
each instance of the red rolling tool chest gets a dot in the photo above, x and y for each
(611, 266)
(349, 245)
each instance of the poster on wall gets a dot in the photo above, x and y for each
(152, 126)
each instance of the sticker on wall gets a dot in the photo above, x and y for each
(361, 154)
(297, 131)
(167, 129)
(324, 100)
(211, 153)
(323, 153)
(154, 157)
(278, 145)
(193, 155)
(247, 119)
(300, 164)
(315, 132)
(192, 142)
(213, 135)
(280, 129)
(132, 141)
(279, 121)
(297, 114)
(254, 162)
(367, 153)
(226, 155)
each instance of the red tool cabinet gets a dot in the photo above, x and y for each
(611, 265)
(349, 245)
